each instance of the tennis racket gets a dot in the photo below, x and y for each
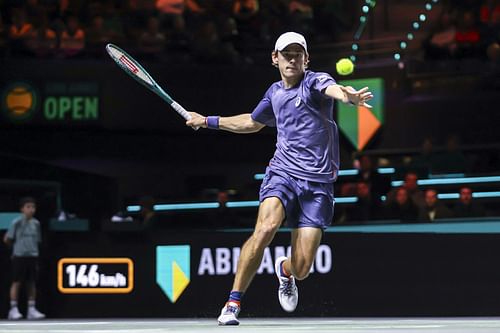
(135, 70)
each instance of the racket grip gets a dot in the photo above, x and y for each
(180, 110)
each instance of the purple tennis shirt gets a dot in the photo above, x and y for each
(307, 144)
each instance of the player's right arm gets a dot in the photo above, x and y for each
(242, 123)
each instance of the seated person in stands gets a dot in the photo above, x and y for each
(441, 43)
(19, 31)
(433, 209)
(411, 187)
(426, 161)
(402, 207)
(42, 40)
(367, 207)
(152, 41)
(452, 160)
(147, 214)
(468, 36)
(466, 206)
(379, 184)
(72, 42)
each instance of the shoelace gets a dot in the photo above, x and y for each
(286, 287)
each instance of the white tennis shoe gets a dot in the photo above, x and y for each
(34, 314)
(229, 314)
(288, 294)
(14, 314)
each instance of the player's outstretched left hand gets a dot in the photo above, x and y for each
(358, 97)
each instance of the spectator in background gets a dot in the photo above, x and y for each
(24, 234)
(411, 186)
(195, 13)
(152, 41)
(490, 17)
(19, 31)
(331, 17)
(489, 12)
(113, 20)
(441, 43)
(246, 14)
(367, 207)
(433, 209)
(72, 38)
(452, 160)
(97, 36)
(271, 13)
(178, 42)
(402, 207)
(493, 53)
(244, 10)
(466, 206)
(206, 44)
(343, 212)
(468, 36)
(301, 15)
(426, 161)
(147, 215)
(379, 184)
(170, 11)
(136, 16)
(229, 39)
(42, 40)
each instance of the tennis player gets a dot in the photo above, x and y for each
(298, 184)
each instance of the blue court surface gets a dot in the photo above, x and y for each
(351, 325)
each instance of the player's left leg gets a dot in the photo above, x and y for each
(305, 242)
(316, 213)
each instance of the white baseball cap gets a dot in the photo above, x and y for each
(290, 38)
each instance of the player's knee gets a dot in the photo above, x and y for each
(264, 234)
(268, 225)
(301, 273)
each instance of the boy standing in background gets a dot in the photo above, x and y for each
(24, 234)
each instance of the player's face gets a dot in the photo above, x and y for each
(28, 209)
(291, 61)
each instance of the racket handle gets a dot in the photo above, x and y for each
(180, 110)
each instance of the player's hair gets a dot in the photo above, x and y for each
(26, 200)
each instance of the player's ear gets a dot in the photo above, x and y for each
(306, 61)
(274, 58)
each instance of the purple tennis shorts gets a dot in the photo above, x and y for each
(307, 203)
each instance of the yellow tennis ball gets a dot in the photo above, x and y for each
(344, 66)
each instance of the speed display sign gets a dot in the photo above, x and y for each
(95, 275)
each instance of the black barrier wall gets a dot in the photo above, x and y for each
(189, 274)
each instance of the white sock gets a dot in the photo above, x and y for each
(31, 303)
(13, 304)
